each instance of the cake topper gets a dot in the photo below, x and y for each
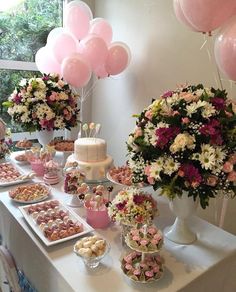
(91, 130)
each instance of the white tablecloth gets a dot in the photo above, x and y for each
(209, 263)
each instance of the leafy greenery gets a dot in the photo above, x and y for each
(23, 31)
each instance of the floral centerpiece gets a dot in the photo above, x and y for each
(132, 207)
(186, 141)
(43, 103)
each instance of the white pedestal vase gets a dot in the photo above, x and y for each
(44, 137)
(183, 207)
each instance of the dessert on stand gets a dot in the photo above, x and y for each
(74, 185)
(91, 155)
(96, 204)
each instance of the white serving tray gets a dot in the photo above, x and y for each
(17, 181)
(72, 215)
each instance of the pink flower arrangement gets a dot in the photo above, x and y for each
(45, 102)
(131, 206)
(186, 141)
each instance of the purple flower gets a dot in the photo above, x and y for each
(17, 99)
(218, 103)
(191, 174)
(120, 206)
(167, 94)
(164, 135)
(138, 199)
(212, 129)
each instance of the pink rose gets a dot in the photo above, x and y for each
(138, 132)
(149, 274)
(232, 158)
(143, 242)
(148, 114)
(189, 96)
(232, 176)
(151, 180)
(228, 167)
(211, 180)
(185, 120)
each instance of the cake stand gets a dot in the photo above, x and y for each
(141, 262)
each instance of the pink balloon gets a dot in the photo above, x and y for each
(63, 45)
(76, 71)
(46, 63)
(94, 49)
(54, 33)
(102, 28)
(207, 15)
(225, 49)
(101, 72)
(118, 58)
(77, 22)
(80, 4)
(180, 15)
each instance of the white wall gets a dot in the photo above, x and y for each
(164, 53)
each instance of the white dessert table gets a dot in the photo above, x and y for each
(209, 263)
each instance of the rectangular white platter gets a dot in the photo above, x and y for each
(72, 215)
(14, 182)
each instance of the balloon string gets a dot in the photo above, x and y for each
(204, 43)
(90, 89)
(213, 62)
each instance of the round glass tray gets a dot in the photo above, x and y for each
(126, 186)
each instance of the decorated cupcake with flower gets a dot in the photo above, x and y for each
(142, 270)
(186, 141)
(148, 239)
(132, 206)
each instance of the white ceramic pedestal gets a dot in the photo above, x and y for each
(44, 137)
(180, 232)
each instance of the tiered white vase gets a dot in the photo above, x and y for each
(183, 207)
(44, 137)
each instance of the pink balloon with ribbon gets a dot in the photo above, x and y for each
(76, 71)
(180, 15)
(45, 61)
(77, 22)
(118, 58)
(207, 15)
(94, 50)
(63, 45)
(102, 28)
(225, 49)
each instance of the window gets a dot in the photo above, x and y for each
(24, 28)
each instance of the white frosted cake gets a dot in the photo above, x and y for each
(91, 155)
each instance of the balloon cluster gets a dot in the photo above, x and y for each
(208, 15)
(82, 47)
